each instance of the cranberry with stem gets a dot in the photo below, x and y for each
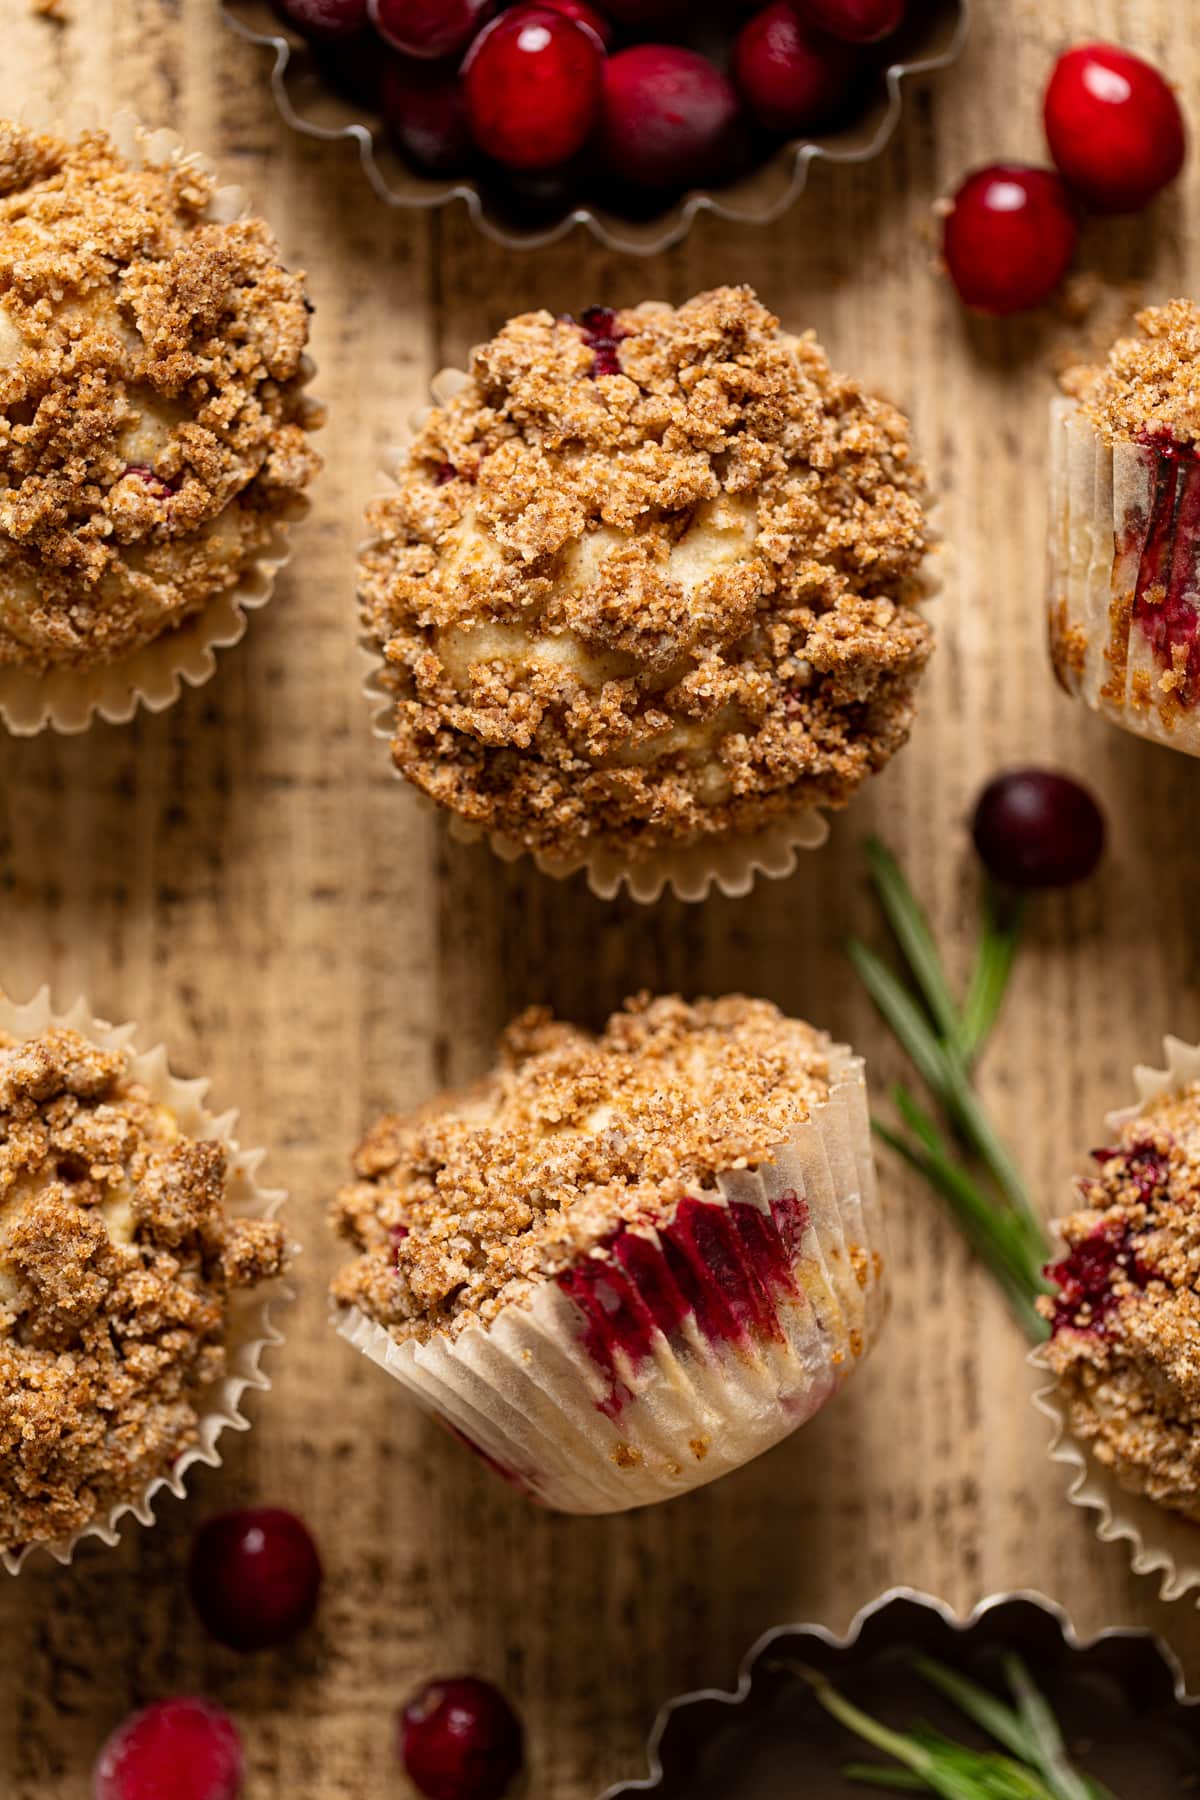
(459, 1739)
(1114, 127)
(533, 82)
(179, 1749)
(793, 77)
(1036, 828)
(855, 21)
(254, 1577)
(1009, 236)
(669, 119)
(428, 29)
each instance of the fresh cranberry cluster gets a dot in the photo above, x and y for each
(1116, 134)
(626, 102)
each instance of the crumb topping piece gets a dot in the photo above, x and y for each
(649, 575)
(153, 428)
(1149, 388)
(461, 1208)
(1126, 1322)
(117, 1261)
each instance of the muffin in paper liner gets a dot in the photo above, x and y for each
(1124, 576)
(669, 1357)
(1160, 1542)
(152, 676)
(250, 1325)
(728, 863)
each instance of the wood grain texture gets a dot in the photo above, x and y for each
(245, 878)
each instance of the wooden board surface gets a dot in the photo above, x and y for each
(245, 878)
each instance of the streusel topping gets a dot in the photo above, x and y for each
(1150, 385)
(117, 1261)
(1126, 1343)
(650, 575)
(460, 1208)
(153, 427)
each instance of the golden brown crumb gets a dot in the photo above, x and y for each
(1150, 385)
(1126, 1344)
(116, 1263)
(647, 578)
(458, 1209)
(153, 428)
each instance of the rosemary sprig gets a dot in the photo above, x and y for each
(978, 1178)
(1032, 1763)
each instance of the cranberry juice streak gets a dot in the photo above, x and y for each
(1085, 1278)
(602, 334)
(1167, 596)
(725, 1267)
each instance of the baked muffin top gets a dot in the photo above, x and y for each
(117, 1261)
(153, 427)
(1126, 1323)
(1149, 386)
(458, 1209)
(649, 575)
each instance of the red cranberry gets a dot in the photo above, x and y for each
(583, 14)
(174, 1750)
(794, 78)
(670, 119)
(254, 1577)
(428, 29)
(533, 82)
(1114, 127)
(459, 1739)
(324, 21)
(1009, 237)
(1036, 829)
(425, 111)
(857, 21)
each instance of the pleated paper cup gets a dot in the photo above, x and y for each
(68, 700)
(667, 1357)
(729, 862)
(250, 1328)
(1161, 1542)
(1124, 576)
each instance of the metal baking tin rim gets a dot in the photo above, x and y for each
(834, 1641)
(676, 224)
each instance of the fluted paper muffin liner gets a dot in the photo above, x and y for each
(1160, 1542)
(1124, 575)
(67, 700)
(728, 862)
(250, 1327)
(669, 1356)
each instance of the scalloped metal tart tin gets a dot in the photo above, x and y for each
(931, 40)
(1120, 1697)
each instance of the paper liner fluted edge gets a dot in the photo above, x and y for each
(1094, 490)
(153, 675)
(251, 1329)
(526, 1391)
(730, 863)
(672, 1721)
(1160, 1542)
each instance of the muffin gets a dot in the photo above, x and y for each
(1125, 519)
(645, 590)
(121, 1272)
(153, 421)
(624, 1264)
(1125, 1348)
